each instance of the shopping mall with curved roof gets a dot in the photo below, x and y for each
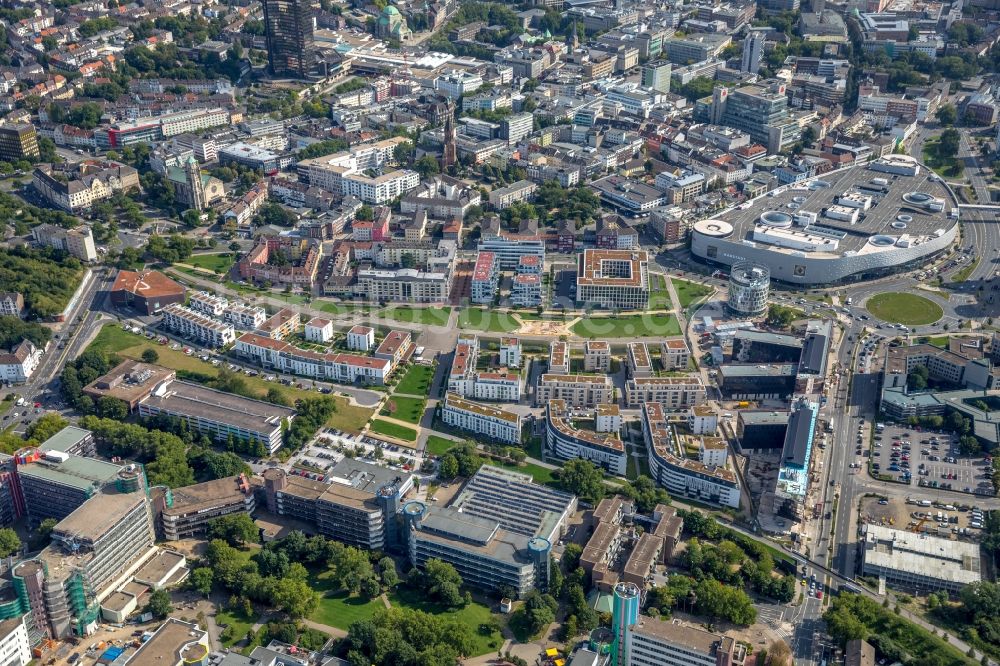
(852, 224)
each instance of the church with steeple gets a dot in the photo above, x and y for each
(193, 188)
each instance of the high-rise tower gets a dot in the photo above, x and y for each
(450, 155)
(289, 25)
(753, 51)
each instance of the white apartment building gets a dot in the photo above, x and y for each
(558, 358)
(195, 325)
(526, 290)
(596, 356)
(208, 304)
(579, 391)
(192, 121)
(245, 317)
(339, 368)
(466, 381)
(510, 352)
(78, 242)
(344, 172)
(361, 338)
(485, 278)
(671, 392)
(674, 354)
(505, 197)
(458, 84)
(17, 365)
(15, 649)
(319, 330)
(482, 419)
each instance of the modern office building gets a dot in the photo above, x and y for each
(761, 430)
(625, 605)
(749, 381)
(752, 346)
(18, 142)
(185, 512)
(498, 531)
(753, 51)
(602, 445)
(749, 288)
(289, 30)
(94, 549)
(654, 642)
(220, 415)
(613, 279)
(670, 466)
(919, 562)
(356, 503)
(54, 484)
(482, 419)
(656, 75)
(760, 110)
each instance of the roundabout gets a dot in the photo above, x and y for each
(904, 308)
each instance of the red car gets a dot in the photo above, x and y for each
(38, 404)
(819, 594)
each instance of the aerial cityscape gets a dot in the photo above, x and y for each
(548, 333)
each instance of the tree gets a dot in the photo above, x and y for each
(426, 166)
(947, 115)
(948, 144)
(112, 408)
(371, 588)
(150, 356)
(571, 556)
(159, 604)
(201, 581)
(780, 652)
(916, 380)
(447, 467)
(387, 570)
(583, 478)
(45, 426)
(236, 529)
(46, 526)
(10, 543)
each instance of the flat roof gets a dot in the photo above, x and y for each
(921, 554)
(853, 238)
(455, 401)
(698, 640)
(92, 519)
(129, 381)
(77, 472)
(601, 267)
(217, 492)
(174, 642)
(180, 397)
(757, 370)
(161, 564)
(765, 416)
(65, 439)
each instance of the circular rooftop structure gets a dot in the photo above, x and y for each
(749, 288)
(917, 198)
(714, 228)
(775, 218)
(881, 240)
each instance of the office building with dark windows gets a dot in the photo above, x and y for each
(289, 26)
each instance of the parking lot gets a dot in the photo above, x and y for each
(951, 521)
(928, 459)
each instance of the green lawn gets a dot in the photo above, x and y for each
(342, 308)
(963, 274)
(416, 381)
(337, 608)
(114, 339)
(405, 409)
(629, 326)
(689, 292)
(540, 474)
(474, 615)
(437, 446)
(948, 168)
(437, 316)
(659, 297)
(217, 263)
(486, 320)
(237, 625)
(904, 308)
(390, 429)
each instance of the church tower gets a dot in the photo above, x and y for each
(574, 40)
(449, 156)
(197, 190)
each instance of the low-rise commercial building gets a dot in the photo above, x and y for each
(147, 291)
(919, 561)
(174, 643)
